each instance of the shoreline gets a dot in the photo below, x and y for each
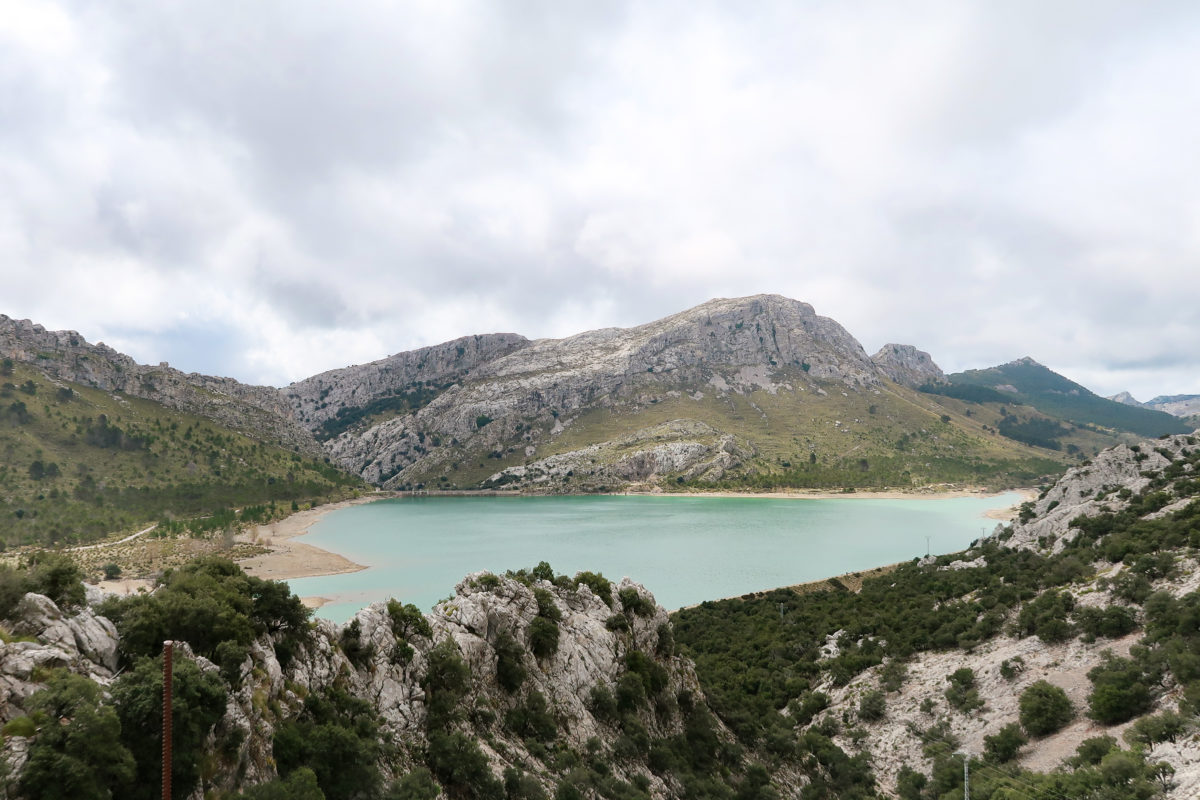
(286, 558)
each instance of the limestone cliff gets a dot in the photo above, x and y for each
(907, 365)
(375, 659)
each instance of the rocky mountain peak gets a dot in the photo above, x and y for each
(907, 365)
(1125, 398)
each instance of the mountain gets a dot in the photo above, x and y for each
(1073, 409)
(257, 411)
(96, 444)
(755, 391)
(1177, 405)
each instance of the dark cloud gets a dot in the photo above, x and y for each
(272, 189)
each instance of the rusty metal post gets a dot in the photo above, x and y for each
(168, 647)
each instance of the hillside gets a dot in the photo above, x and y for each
(754, 392)
(81, 463)
(1060, 653)
(1028, 383)
(1177, 405)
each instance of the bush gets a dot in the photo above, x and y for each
(336, 735)
(872, 706)
(546, 606)
(407, 620)
(301, 784)
(510, 671)
(447, 681)
(77, 753)
(543, 637)
(1005, 744)
(600, 585)
(962, 693)
(1119, 691)
(634, 602)
(1165, 727)
(1045, 708)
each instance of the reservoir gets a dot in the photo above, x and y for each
(684, 549)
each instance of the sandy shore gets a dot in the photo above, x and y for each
(289, 558)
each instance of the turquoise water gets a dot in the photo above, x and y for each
(683, 549)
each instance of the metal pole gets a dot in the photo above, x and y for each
(168, 647)
(966, 757)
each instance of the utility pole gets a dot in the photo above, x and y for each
(168, 647)
(927, 547)
(966, 757)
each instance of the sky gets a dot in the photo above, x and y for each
(268, 190)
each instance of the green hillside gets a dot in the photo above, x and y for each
(886, 437)
(1063, 399)
(80, 464)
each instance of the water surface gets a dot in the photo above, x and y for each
(684, 549)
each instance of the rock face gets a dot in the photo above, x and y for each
(523, 397)
(255, 410)
(1094, 488)
(1179, 405)
(907, 365)
(591, 654)
(319, 398)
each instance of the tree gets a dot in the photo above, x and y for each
(301, 784)
(6, 367)
(198, 703)
(1045, 708)
(1005, 744)
(77, 752)
(1119, 691)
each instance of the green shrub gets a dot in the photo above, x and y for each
(617, 623)
(301, 784)
(510, 669)
(1119, 691)
(543, 637)
(600, 585)
(407, 620)
(78, 753)
(872, 706)
(546, 606)
(336, 735)
(962, 693)
(1165, 727)
(1005, 744)
(633, 602)
(532, 719)
(1045, 709)
(447, 681)
(416, 785)
(357, 651)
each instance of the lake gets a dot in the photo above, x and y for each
(684, 549)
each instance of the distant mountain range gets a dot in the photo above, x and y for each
(755, 392)
(1179, 405)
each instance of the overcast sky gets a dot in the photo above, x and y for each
(267, 190)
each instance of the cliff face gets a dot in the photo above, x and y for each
(320, 398)
(488, 619)
(258, 411)
(907, 365)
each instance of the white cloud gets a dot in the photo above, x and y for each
(287, 187)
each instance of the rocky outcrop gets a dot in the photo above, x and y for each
(907, 365)
(258, 411)
(319, 398)
(1126, 399)
(591, 653)
(1102, 485)
(685, 448)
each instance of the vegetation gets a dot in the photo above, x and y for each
(83, 464)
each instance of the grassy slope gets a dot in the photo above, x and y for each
(1058, 397)
(899, 432)
(167, 463)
